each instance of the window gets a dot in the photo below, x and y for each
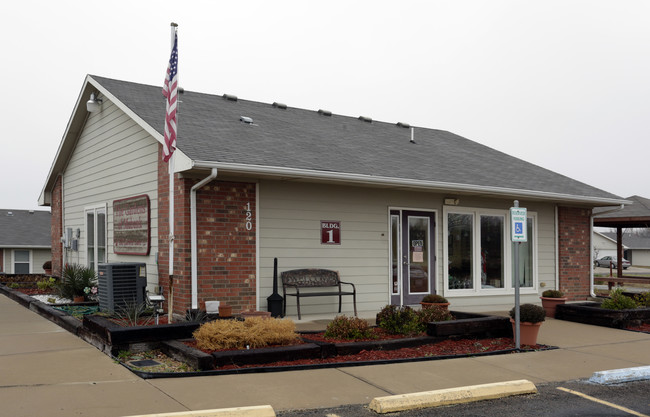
(21, 262)
(95, 237)
(479, 252)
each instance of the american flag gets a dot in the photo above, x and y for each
(170, 91)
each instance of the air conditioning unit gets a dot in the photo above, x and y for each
(121, 284)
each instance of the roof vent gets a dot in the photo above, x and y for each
(10, 213)
(280, 105)
(324, 112)
(230, 97)
(404, 125)
(247, 120)
(365, 119)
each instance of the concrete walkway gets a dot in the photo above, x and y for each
(46, 371)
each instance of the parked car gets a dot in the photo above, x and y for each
(606, 260)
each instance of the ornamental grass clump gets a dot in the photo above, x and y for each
(618, 301)
(343, 327)
(643, 299)
(75, 279)
(253, 332)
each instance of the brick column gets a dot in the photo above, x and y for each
(225, 242)
(56, 223)
(574, 251)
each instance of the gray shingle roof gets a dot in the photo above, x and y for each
(632, 241)
(210, 130)
(25, 228)
(639, 209)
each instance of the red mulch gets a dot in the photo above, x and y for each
(445, 348)
(645, 327)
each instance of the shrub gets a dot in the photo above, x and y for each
(46, 284)
(434, 313)
(434, 298)
(253, 332)
(618, 301)
(132, 313)
(74, 280)
(643, 299)
(531, 313)
(553, 294)
(343, 327)
(398, 320)
(47, 265)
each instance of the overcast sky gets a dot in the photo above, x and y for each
(562, 84)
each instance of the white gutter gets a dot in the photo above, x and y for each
(400, 182)
(591, 245)
(194, 251)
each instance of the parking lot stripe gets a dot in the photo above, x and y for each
(607, 403)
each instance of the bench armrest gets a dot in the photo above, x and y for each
(349, 283)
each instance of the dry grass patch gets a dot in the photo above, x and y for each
(253, 332)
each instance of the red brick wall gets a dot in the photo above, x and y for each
(574, 251)
(2, 258)
(226, 248)
(57, 228)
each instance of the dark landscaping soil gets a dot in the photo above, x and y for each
(460, 347)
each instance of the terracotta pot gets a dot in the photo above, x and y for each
(79, 299)
(253, 313)
(549, 304)
(527, 332)
(48, 271)
(225, 311)
(444, 306)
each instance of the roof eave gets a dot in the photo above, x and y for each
(402, 182)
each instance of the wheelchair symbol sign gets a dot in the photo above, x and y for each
(519, 228)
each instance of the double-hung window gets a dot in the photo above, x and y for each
(95, 236)
(21, 262)
(479, 252)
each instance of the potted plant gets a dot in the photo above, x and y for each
(430, 300)
(47, 267)
(550, 299)
(225, 310)
(74, 281)
(531, 317)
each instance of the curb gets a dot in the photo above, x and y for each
(616, 376)
(450, 396)
(253, 411)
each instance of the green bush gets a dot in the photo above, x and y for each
(404, 320)
(75, 279)
(434, 298)
(553, 294)
(46, 284)
(530, 313)
(433, 313)
(343, 327)
(618, 301)
(643, 299)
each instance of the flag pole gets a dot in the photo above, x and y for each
(170, 313)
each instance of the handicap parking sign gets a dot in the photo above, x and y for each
(518, 227)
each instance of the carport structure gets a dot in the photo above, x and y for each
(636, 215)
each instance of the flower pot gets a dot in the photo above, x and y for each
(225, 311)
(444, 306)
(527, 332)
(79, 299)
(48, 271)
(549, 304)
(253, 313)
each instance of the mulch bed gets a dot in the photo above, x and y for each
(447, 348)
(645, 328)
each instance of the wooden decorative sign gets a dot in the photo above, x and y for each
(131, 226)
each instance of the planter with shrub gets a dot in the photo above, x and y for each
(531, 317)
(550, 300)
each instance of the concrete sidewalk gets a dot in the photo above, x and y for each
(46, 371)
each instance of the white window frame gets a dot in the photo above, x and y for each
(476, 253)
(95, 210)
(29, 263)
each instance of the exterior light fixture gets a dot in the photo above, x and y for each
(94, 104)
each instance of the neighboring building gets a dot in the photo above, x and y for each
(399, 211)
(604, 244)
(25, 241)
(636, 247)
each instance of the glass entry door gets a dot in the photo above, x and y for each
(412, 256)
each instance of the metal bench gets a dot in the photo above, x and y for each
(314, 278)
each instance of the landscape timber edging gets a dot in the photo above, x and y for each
(592, 313)
(471, 324)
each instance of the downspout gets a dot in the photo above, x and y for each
(193, 250)
(591, 246)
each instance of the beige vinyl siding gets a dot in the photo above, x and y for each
(641, 257)
(114, 158)
(289, 229)
(39, 256)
